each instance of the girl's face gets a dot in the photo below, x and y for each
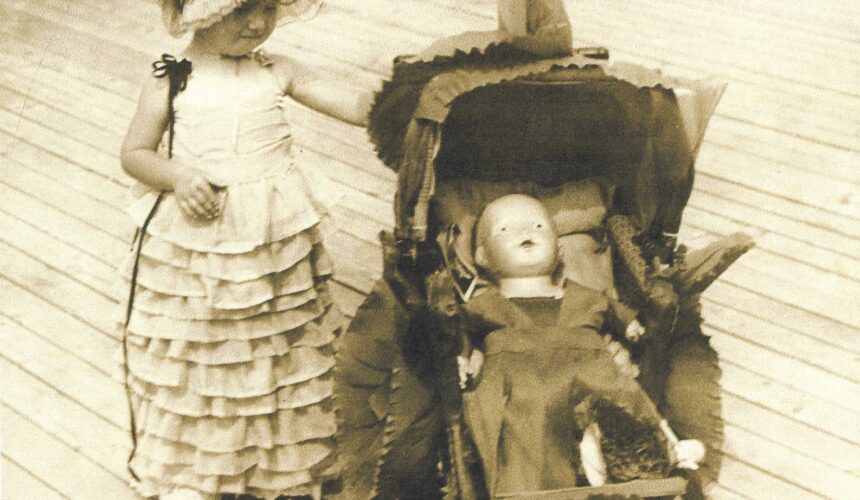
(243, 30)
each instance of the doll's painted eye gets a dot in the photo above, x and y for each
(503, 229)
(538, 226)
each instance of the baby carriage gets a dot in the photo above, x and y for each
(609, 149)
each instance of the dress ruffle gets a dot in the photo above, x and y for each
(226, 295)
(263, 325)
(255, 213)
(265, 259)
(241, 380)
(158, 428)
(198, 308)
(229, 348)
(234, 351)
(257, 481)
(181, 402)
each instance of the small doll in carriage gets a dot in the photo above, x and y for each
(548, 407)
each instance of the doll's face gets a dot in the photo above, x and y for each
(516, 238)
(248, 26)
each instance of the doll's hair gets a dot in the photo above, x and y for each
(633, 449)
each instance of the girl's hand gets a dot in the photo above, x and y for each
(195, 194)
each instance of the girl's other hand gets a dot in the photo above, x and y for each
(195, 194)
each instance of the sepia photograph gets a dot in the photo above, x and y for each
(429, 249)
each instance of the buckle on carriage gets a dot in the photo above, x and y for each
(464, 275)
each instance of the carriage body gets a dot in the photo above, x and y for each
(612, 147)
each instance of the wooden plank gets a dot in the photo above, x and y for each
(70, 296)
(68, 62)
(835, 216)
(64, 146)
(817, 281)
(795, 468)
(700, 32)
(796, 184)
(799, 16)
(794, 151)
(785, 247)
(776, 395)
(750, 302)
(758, 483)
(97, 244)
(54, 462)
(750, 216)
(53, 114)
(50, 190)
(94, 273)
(69, 93)
(829, 450)
(720, 492)
(66, 373)
(793, 19)
(820, 258)
(699, 53)
(789, 371)
(21, 20)
(20, 484)
(791, 344)
(841, 309)
(46, 320)
(78, 427)
(84, 182)
(742, 33)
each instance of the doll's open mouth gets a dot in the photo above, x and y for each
(528, 244)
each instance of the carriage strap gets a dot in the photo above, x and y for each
(177, 74)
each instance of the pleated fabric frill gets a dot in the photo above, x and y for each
(229, 347)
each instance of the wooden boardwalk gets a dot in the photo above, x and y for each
(781, 161)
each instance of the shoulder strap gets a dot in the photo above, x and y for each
(177, 74)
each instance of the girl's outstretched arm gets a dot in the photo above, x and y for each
(336, 100)
(140, 158)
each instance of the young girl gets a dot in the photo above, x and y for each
(229, 327)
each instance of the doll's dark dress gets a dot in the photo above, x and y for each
(543, 356)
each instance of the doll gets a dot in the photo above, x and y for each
(547, 404)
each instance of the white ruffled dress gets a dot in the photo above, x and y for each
(229, 343)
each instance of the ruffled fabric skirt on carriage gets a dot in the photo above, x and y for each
(229, 344)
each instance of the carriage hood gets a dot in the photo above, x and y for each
(498, 112)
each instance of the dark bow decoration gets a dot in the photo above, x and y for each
(177, 75)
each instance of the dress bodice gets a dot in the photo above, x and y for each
(231, 109)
